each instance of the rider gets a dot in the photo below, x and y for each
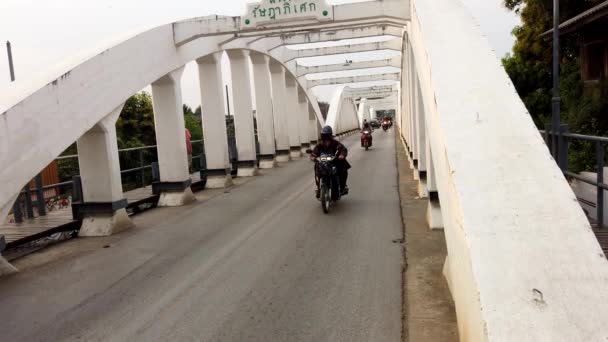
(329, 145)
(366, 125)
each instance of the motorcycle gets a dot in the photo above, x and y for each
(326, 176)
(366, 139)
(385, 126)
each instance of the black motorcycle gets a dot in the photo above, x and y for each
(328, 183)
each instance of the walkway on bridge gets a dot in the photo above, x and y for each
(259, 262)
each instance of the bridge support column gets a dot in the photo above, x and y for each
(103, 209)
(279, 108)
(313, 127)
(421, 143)
(302, 115)
(434, 218)
(292, 113)
(175, 181)
(264, 115)
(214, 121)
(243, 113)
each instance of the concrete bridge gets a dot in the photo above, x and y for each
(522, 262)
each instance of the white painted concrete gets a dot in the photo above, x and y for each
(264, 112)
(214, 119)
(363, 112)
(513, 275)
(354, 79)
(393, 44)
(100, 176)
(292, 112)
(171, 144)
(279, 109)
(306, 70)
(342, 115)
(98, 161)
(303, 117)
(243, 111)
(332, 34)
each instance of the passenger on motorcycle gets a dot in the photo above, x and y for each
(329, 145)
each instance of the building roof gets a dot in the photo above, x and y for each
(582, 19)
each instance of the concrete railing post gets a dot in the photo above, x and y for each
(174, 185)
(313, 126)
(264, 114)
(102, 209)
(434, 218)
(279, 109)
(243, 112)
(291, 92)
(214, 121)
(421, 143)
(303, 116)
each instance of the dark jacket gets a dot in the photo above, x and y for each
(332, 149)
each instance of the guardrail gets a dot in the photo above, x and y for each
(564, 140)
(146, 157)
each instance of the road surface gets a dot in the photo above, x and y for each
(258, 263)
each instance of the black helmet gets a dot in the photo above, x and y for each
(327, 132)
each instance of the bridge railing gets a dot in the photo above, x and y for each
(598, 145)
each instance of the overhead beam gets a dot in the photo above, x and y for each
(373, 95)
(393, 44)
(344, 15)
(330, 34)
(354, 79)
(391, 62)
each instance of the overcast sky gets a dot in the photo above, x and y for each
(45, 32)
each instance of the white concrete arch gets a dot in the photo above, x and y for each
(343, 114)
(82, 96)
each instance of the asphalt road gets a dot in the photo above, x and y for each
(258, 263)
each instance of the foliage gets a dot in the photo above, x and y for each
(324, 106)
(530, 68)
(135, 127)
(193, 123)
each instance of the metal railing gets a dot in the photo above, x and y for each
(24, 205)
(140, 165)
(565, 139)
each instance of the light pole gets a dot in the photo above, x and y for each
(556, 100)
(10, 60)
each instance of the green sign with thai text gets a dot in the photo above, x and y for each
(270, 12)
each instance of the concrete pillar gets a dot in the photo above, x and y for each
(5, 267)
(214, 121)
(102, 210)
(313, 126)
(291, 92)
(421, 142)
(264, 115)
(434, 218)
(279, 110)
(243, 113)
(303, 118)
(411, 105)
(175, 181)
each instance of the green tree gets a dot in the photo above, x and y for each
(192, 123)
(135, 126)
(530, 68)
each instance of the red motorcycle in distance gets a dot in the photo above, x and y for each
(386, 124)
(366, 138)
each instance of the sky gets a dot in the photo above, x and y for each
(44, 33)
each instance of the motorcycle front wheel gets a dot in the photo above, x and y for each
(325, 197)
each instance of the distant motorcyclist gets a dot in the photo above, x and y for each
(367, 125)
(331, 146)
